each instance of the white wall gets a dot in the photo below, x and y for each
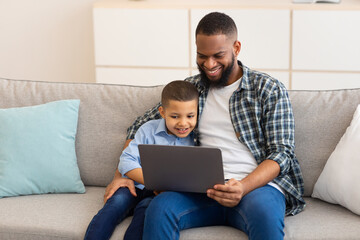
(47, 40)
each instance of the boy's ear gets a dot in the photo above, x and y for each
(162, 111)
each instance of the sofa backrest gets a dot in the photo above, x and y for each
(321, 118)
(106, 111)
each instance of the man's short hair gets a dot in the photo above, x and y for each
(216, 23)
(179, 90)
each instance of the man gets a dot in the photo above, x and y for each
(249, 116)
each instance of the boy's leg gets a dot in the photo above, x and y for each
(171, 212)
(114, 211)
(136, 227)
(260, 214)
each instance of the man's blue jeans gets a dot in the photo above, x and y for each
(260, 214)
(116, 209)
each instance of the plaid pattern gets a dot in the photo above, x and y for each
(262, 117)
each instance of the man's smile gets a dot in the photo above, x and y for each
(214, 72)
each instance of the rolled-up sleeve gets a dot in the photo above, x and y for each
(130, 157)
(279, 129)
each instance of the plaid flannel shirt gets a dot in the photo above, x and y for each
(263, 120)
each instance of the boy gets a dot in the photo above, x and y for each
(179, 107)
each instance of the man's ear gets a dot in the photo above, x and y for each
(237, 47)
(162, 111)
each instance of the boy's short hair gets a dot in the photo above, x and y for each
(216, 23)
(179, 90)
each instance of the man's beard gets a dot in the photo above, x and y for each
(223, 79)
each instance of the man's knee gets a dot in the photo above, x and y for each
(161, 203)
(263, 210)
(165, 206)
(264, 200)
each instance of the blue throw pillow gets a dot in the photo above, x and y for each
(37, 149)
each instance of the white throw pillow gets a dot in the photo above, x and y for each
(339, 181)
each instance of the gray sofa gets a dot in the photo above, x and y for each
(106, 111)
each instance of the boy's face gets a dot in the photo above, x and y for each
(180, 117)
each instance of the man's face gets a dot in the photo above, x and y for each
(216, 58)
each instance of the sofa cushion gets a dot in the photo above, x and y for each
(322, 220)
(37, 149)
(49, 216)
(321, 118)
(106, 112)
(339, 180)
(66, 216)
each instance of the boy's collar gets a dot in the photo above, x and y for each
(161, 127)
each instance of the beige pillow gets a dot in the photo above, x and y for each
(339, 181)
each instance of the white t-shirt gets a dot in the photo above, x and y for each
(216, 130)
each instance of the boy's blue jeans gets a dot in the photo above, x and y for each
(260, 214)
(116, 209)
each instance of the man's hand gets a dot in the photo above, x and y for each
(228, 194)
(118, 182)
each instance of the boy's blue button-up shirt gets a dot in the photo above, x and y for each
(152, 132)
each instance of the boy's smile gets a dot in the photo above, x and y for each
(180, 117)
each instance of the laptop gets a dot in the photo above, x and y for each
(181, 168)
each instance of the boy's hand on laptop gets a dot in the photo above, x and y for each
(228, 194)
